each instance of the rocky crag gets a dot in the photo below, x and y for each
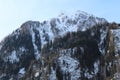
(70, 47)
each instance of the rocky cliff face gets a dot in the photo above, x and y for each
(70, 47)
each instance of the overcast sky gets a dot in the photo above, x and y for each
(15, 12)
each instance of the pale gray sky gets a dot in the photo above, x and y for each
(15, 12)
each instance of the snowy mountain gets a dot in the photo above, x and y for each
(70, 47)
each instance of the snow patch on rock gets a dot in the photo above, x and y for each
(36, 52)
(70, 65)
(102, 38)
(36, 74)
(53, 74)
(116, 34)
(13, 57)
(22, 71)
(96, 67)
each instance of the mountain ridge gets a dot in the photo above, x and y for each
(73, 47)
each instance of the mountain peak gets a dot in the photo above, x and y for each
(74, 14)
